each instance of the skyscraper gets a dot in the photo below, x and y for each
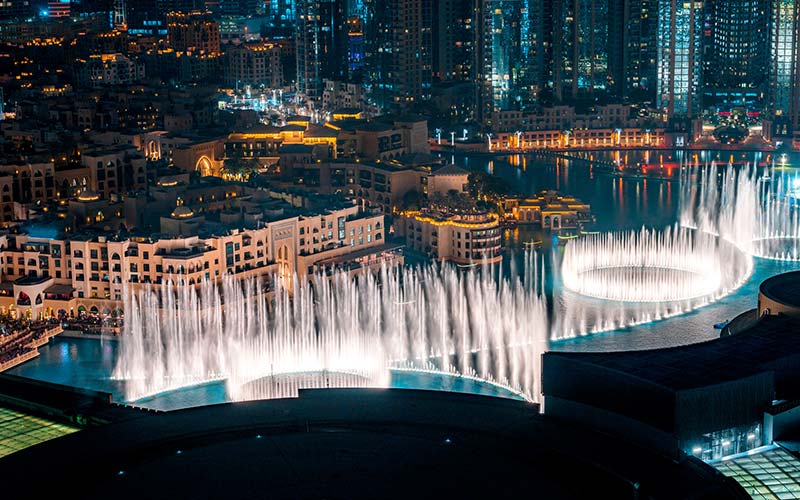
(737, 31)
(509, 55)
(453, 40)
(784, 70)
(355, 47)
(321, 44)
(399, 53)
(740, 42)
(632, 48)
(580, 47)
(16, 8)
(679, 68)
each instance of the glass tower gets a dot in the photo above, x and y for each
(784, 78)
(580, 47)
(679, 68)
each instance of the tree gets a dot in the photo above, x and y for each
(239, 168)
(411, 200)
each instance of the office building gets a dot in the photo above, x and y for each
(679, 64)
(400, 60)
(784, 58)
(580, 47)
(322, 50)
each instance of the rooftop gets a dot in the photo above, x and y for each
(450, 170)
(358, 444)
(783, 288)
(707, 363)
(20, 430)
(771, 473)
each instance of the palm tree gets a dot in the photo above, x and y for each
(239, 168)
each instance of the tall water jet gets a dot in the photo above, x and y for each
(756, 209)
(342, 330)
(637, 277)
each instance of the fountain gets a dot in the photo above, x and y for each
(652, 266)
(756, 211)
(616, 280)
(339, 331)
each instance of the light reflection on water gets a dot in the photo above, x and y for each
(624, 203)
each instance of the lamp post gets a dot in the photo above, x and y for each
(439, 136)
(518, 133)
(489, 137)
(453, 139)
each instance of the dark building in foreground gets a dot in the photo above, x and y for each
(357, 444)
(710, 399)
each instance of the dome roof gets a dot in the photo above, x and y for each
(182, 212)
(88, 195)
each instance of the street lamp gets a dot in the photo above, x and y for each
(453, 139)
(489, 137)
(518, 133)
(439, 136)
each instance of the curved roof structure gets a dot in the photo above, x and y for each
(354, 443)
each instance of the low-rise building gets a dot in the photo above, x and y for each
(463, 236)
(108, 69)
(548, 209)
(260, 233)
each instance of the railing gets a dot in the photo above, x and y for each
(26, 344)
(27, 356)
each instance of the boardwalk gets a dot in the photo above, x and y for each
(20, 345)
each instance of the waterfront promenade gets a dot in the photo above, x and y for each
(20, 342)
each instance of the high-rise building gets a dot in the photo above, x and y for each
(193, 32)
(58, 8)
(101, 8)
(235, 7)
(632, 49)
(253, 64)
(510, 52)
(580, 47)
(784, 66)
(740, 37)
(16, 9)
(281, 11)
(321, 44)
(149, 17)
(453, 40)
(400, 52)
(679, 68)
(737, 32)
(355, 47)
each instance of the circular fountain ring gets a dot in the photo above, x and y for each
(644, 284)
(783, 248)
(673, 265)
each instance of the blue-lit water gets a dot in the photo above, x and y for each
(617, 202)
(88, 363)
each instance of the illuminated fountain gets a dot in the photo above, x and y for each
(337, 332)
(756, 209)
(639, 277)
